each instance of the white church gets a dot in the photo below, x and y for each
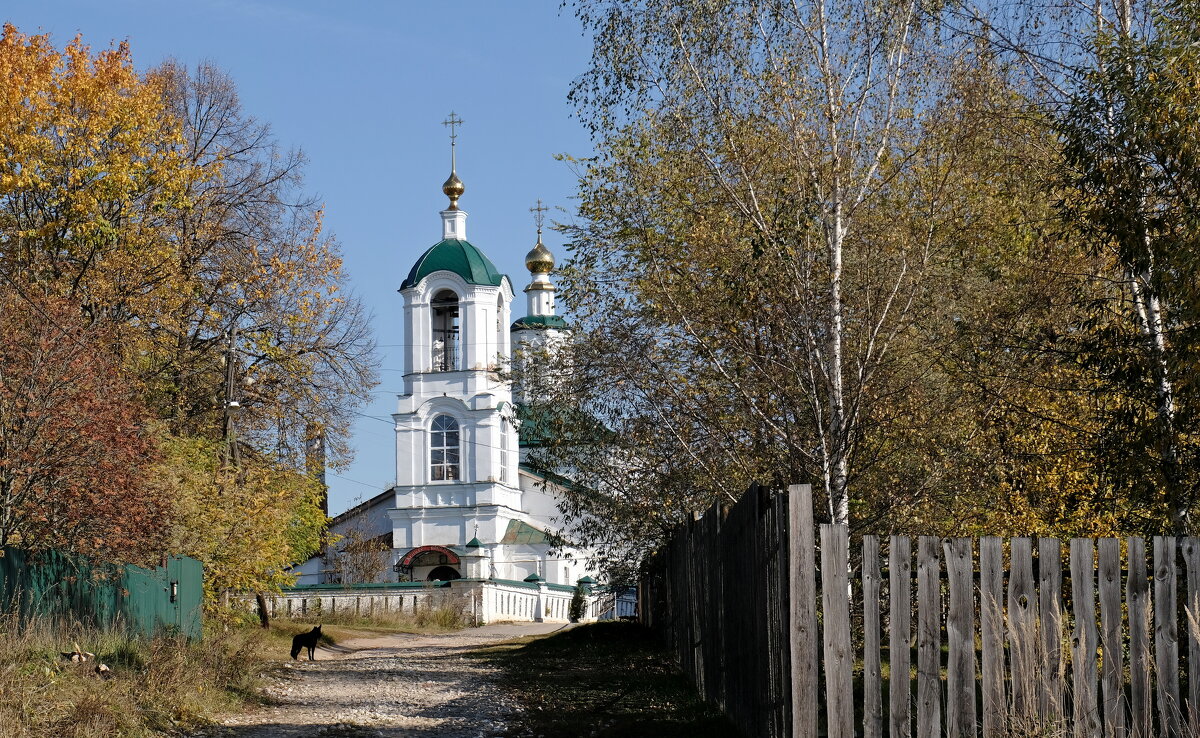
(464, 506)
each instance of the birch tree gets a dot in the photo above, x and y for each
(1113, 80)
(807, 123)
(1129, 136)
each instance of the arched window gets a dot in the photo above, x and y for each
(443, 449)
(445, 331)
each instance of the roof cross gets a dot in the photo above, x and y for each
(453, 121)
(538, 218)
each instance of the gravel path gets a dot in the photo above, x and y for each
(398, 685)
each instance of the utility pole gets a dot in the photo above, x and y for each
(232, 407)
(314, 460)
(232, 455)
(314, 464)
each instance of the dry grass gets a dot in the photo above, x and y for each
(160, 686)
(446, 617)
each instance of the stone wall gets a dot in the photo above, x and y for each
(483, 601)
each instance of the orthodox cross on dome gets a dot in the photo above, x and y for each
(453, 187)
(538, 218)
(539, 260)
(453, 121)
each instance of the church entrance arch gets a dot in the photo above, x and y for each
(429, 563)
(444, 574)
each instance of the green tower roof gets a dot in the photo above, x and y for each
(460, 257)
(540, 322)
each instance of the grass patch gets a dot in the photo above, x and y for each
(605, 679)
(156, 687)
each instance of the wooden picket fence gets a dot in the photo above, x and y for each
(790, 634)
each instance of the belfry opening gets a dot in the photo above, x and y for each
(445, 331)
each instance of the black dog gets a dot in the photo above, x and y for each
(307, 640)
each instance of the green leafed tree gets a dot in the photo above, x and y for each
(1130, 142)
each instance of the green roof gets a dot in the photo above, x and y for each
(536, 427)
(540, 321)
(521, 532)
(542, 424)
(460, 257)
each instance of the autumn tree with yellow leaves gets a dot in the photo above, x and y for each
(886, 250)
(173, 225)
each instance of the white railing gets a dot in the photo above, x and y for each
(483, 601)
(612, 605)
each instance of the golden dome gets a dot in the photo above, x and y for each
(539, 260)
(454, 189)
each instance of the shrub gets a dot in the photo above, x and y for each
(578, 604)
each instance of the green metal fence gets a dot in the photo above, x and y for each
(53, 584)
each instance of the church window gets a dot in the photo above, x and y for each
(445, 331)
(443, 449)
(504, 450)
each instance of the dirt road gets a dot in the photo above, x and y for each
(398, 685)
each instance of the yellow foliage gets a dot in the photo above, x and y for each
(247, 526)
(90, 170)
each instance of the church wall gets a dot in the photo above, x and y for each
(372, 522)
(369, 522)
(517, 561)
(538, 500)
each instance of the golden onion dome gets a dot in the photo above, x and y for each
(454, 189)
(539, 260)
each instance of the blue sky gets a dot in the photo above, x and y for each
(362, 88)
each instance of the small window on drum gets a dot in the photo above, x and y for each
(443, 449)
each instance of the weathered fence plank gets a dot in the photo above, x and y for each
(1191, 562)
(872, 679)
(1085, 712)
(929, 639)
(1166, 637)
(1050, 605)
(839, 657)
(776, 654)
(960, 633)
(1111, 640)
(1022, 633)
(778, 635)
(803, 607)
(991, 624)
(899, 636)
(727, 630)
(1137, 600)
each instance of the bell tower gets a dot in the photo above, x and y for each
(538, 335)
(456, 447)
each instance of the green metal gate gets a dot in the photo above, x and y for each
(54, 584)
